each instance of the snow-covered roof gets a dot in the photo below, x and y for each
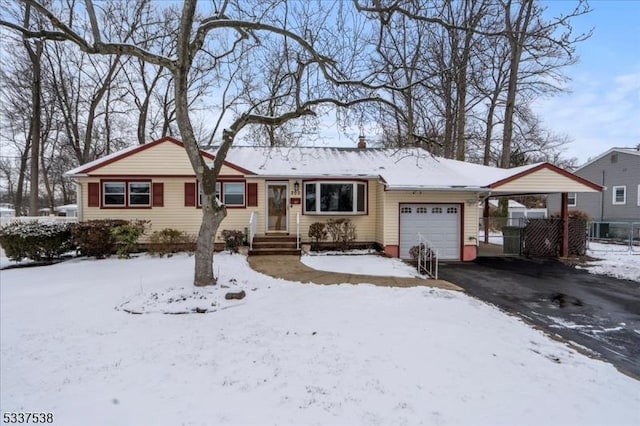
(399, 168)
(101, 160)
(67, 207)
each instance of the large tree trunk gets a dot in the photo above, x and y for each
(212, 212)
(517, 34)
(211, 219)
(36, 110)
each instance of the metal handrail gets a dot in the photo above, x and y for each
(253, 223)
(427, 257)
(298, 231)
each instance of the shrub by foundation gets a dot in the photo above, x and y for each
(35, 241)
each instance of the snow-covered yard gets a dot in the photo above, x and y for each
(286, 354)
(614, 260)
(362, 264)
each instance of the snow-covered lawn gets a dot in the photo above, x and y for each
(369, 264)
(614, 260)
(287, 354)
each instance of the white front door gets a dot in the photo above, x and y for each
(277, 206)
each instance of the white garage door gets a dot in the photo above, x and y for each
(438, 223)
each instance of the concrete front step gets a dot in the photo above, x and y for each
(274, 244)
(273, 238)
(274, 251)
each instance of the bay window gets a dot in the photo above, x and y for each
(335, 197)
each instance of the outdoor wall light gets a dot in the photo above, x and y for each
(296, 188)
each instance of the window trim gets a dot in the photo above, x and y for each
(319, 182)
(127, 204)
(575, 199)
(638, 194)
(624, 193)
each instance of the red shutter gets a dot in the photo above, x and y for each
(252, 195)
(189, 194)
(158, 194)
(94, 194)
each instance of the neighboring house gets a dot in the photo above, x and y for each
(7, 210)
(618, 171)
(68, 210)
(390, 195)
(515, 210)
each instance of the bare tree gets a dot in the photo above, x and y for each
(320, 77)
(549, 44)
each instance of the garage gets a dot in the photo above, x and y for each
(438, 223)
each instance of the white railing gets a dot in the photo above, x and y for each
(253, 226)
(427, 257)
(298, 231)
(42, 219)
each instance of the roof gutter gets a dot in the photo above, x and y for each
(440, 188)
(315, 177)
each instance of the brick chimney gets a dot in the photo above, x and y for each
(362, 142)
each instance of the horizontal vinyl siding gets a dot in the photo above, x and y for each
(162, 159)
(394, 198)
(173, 214)
(599, 206)
(544, 181)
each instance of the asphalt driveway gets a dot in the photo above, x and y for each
(598, 312)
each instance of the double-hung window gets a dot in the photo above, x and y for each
(335, 198)
(572, 199)
(231, 193)
(114, 194)
(200, 192)
(139, 194)
(620, 194)
(126, 194)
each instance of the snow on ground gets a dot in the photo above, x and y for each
(494, 237)
(614, 260)
(287, 354)
(361, 264)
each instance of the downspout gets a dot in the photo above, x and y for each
(602, 199)
(79, 201)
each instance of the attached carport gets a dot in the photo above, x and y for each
(541, 179)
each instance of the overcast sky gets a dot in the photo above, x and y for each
(603, 108)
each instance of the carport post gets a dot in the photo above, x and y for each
(564, 215)
(485, 220)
